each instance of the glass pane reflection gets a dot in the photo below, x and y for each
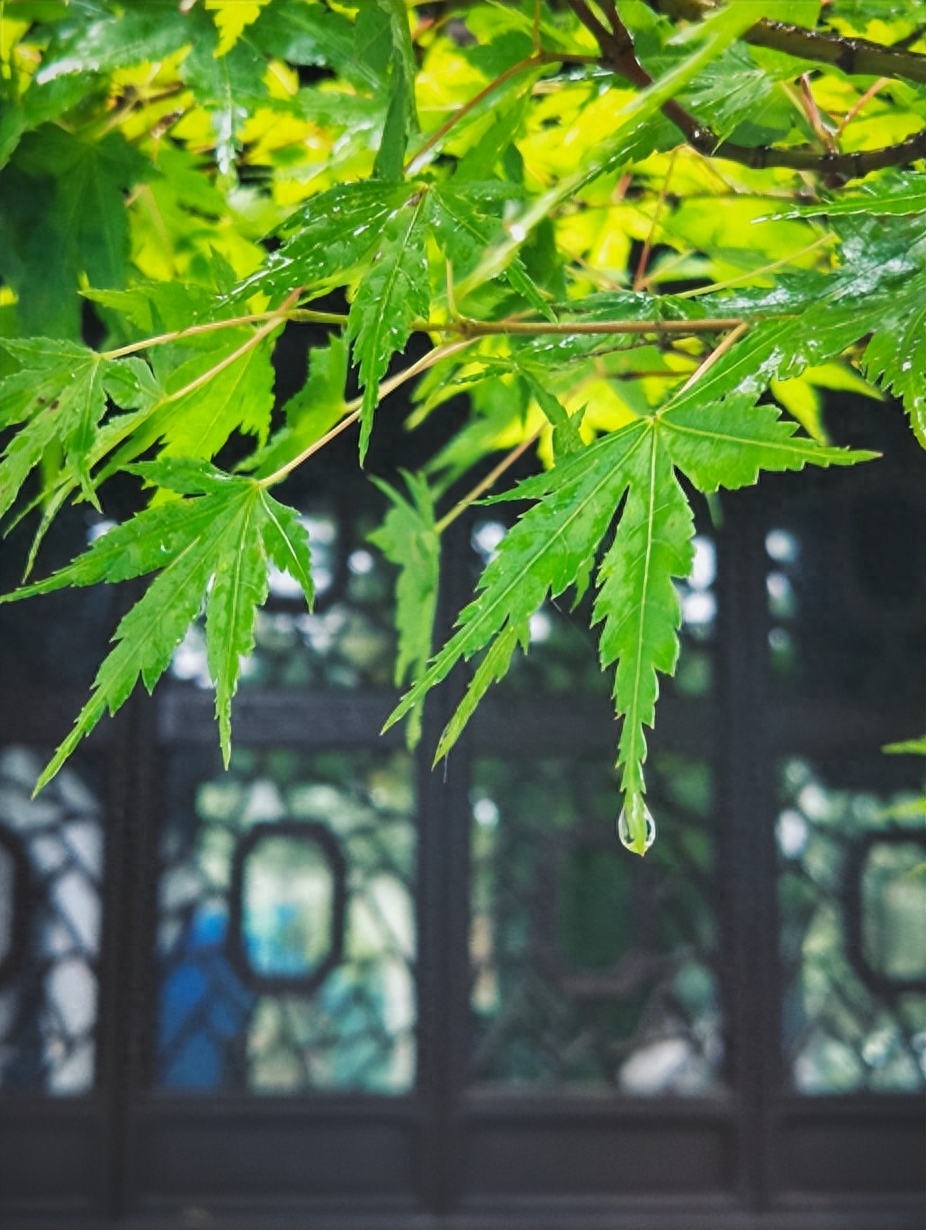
(221, 1028)
(590, 966)
(853, 906)
(48, 1001)
(288, 902)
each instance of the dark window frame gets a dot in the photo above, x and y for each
(755, 1156)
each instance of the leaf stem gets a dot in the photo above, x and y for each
(276, 319)
(568, 328)
(729, 341)
(754, 273)
(537, 59)
(469, 329)
(639, 280)
(534, 60)
(353, 408)
(277, 315)
(489, 481)
(861, 102)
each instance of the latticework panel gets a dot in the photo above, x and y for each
(51, 867)
(286, 923)
(589, 966)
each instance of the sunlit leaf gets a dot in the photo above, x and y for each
(392, 294)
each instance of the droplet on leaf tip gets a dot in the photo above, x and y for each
(636, 828)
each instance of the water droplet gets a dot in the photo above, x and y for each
(636, 828)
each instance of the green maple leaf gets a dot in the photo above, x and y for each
(328, 238)
(566, 438)
(554, 544)
(59, 393)
(211, 545)
(548, 549)
(228, 86)
(62, 207)
(639, 606)
(203, 397)
(137, 33)
(41, 102)
(408, 538)
(728, 444)
(895, 358)
(304, 34)
(391, 296)
(239, 397)
(464, 226)
(401, 118)
(895, 194)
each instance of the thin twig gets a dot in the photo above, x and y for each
(730, 340)
(865, 99)
(825, 135)
(640, 275)
(354, 408)
(541, 328)
(277, 319)
(300, 315)
(853, 55)
(537, 59)
(754, 273)
(490, 479)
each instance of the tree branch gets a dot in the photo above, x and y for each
(853, 55)
(573, 328)
(840, 166)
(618, 49)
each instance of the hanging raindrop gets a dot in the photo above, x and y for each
(636, 828)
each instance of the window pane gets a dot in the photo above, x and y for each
(590, 965)
(853, 909)
(51, 856)
(846, 588)
(286, 923)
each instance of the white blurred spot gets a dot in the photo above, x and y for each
(486, 536)
(98, 529)
(782, 546)
(699, 608)
(540, 627)
(792, 833)
(814, 802)
(485, 813)
(704, 568)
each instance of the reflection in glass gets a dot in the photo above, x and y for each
(894, 911)
(7, 891)
(589, 966)
(220, 1029)
(854, 1018)
(48, 1003)
(288, 905)
(846, 589)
